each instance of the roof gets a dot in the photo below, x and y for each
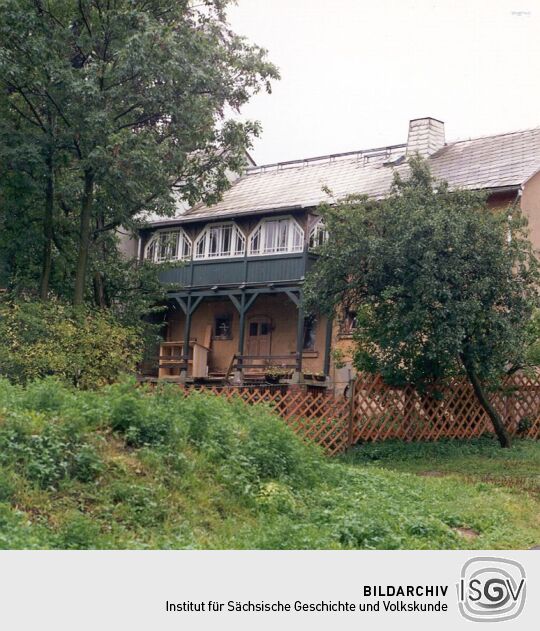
(504, 161)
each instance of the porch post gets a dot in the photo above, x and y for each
(328, 345)
(239, 375)
(185, 346)
(297, 376)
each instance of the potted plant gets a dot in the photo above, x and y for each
(274, 374)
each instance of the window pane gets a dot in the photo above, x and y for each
(240, 242)
(253, 326)
(264, 328)
(283, 236)
(226, 240)
(270, 234)
(185, 248)
(201, 246)
(256, 241)
(298, 238)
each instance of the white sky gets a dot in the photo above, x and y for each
(355, 71)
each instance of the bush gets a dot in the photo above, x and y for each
(87, 348)
(46, 452)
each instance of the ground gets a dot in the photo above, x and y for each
(126, 467)
(478, 460)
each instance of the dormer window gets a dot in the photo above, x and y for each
(219, 241)
(168, 245)
(276, 236)
(318, 234)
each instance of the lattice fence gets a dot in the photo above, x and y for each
(317, 417)
(382, 412)
(378, 412)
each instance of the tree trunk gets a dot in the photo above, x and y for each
(46, 262)
(84, 238)
(498, 425)
(101, 297)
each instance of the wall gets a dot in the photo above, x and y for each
(530, 204)
(127, 244)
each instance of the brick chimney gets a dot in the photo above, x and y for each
(426, 136)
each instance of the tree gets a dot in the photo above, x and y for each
(139, 97)
(442, 284)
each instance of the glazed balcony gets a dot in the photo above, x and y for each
(247, 270)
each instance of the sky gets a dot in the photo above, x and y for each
(354, 72)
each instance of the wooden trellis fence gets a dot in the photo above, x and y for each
(382, 412)
(377, 412)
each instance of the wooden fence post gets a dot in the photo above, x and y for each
(352, 411)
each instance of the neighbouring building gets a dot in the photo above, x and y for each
(237, 313)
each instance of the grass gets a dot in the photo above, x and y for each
(478, 460)
(127, 468)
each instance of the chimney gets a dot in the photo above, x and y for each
(426, 136)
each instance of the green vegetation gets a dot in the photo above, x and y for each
(438, 288)
(125, 467)
(476, 460)
(109, 110)
(84, 347)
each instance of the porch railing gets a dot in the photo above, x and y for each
(242, 362)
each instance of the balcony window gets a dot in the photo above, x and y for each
(318, 235)
(276, 236)
(168, 245)
(221, 240)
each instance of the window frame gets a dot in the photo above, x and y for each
(184, 246)
(236, 237)
(223, 316)
(260, 232)
(317, 229)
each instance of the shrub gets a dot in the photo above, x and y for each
(47, 454)
(87, 348)
(141, 422)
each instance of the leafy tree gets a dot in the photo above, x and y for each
(138, 97)
(441, 283)
(87, 348)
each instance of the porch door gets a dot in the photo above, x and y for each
(259, 337)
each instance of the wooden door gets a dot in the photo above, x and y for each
(259, 337)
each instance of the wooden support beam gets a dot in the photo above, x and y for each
(185, 347)
(328, 345)
(236, 302)
(181, 302)
(299, 339)
(251, 300)
(195, 304)
(292, 295)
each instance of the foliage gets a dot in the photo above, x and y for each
(108, 111)
(204, 472)
(439, 282)
(433, 275)
(84, 347)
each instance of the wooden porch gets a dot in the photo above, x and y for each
(265, 340)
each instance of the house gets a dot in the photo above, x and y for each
(237, 308)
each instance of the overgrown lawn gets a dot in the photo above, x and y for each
(125, 467)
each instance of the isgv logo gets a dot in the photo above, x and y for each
(491, 589)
